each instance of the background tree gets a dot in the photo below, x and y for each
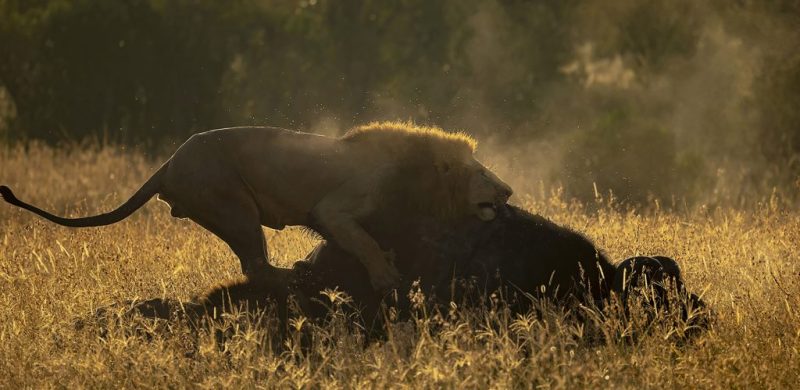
(587, 92)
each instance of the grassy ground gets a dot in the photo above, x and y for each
(745, 263)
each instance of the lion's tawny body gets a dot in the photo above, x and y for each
(232, 181)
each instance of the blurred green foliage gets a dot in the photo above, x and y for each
(646, 98)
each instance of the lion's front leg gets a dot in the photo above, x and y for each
(343, 229)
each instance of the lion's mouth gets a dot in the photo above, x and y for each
(487, 211)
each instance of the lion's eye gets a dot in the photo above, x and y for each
(445, 167)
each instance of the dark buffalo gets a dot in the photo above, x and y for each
(524, 252)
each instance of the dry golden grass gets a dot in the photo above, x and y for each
(744, 262)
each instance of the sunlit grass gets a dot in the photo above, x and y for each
(744, 262)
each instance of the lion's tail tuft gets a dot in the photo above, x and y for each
(8, 196)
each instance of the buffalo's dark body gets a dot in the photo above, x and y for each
(525, 253)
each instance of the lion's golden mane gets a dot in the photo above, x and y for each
(430, 177)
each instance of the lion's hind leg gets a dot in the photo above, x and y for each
(203, 185)
(235, 220)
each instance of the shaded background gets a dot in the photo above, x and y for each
(679, 101)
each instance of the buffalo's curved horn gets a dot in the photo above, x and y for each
(630, 270)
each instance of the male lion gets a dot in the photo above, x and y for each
(232, 181)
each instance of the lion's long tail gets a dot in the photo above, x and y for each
(148, 189)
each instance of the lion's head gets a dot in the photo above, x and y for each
(435, 172)
(467, 187)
